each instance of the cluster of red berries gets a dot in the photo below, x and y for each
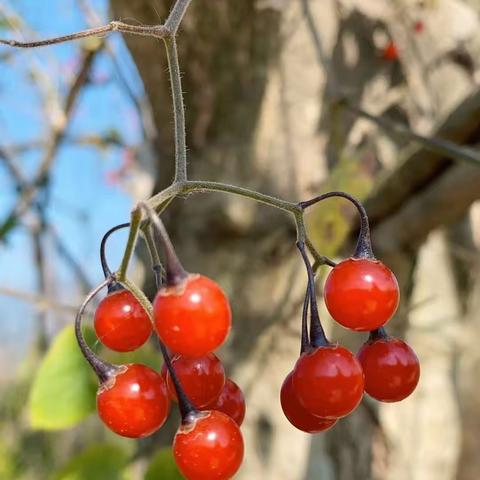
(192, 318)
(328, 381)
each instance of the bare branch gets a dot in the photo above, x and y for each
(41, 302)
(438, 145)
(70, 260)
(29, 191)
(169, 29)
(156, 31)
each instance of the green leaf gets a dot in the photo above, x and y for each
(97, 462)
(163, 467)
(147, 355)
(64, 389)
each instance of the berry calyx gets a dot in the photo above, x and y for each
(134, 402)
(328, 381)
(296, 414)
(192, 318)
(208, 447)
(202, 378)
(231, 402)
(361, 294)
(121, 323)
(391, 367)
(191, 312)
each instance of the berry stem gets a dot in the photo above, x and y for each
(317, 334)
(157, 267)
(305, 340)
(113, 286)
(135, 219)
(103, 370)
(187, 410)
(175, 272)
(379, 333)
(364, 243)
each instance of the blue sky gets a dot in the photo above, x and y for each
(83, 204)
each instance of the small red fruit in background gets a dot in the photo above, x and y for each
(361, 294)
(391, 368)
(419, 26)
(390, 52)
(328, 381)
(296, 413)
(134, 402)
(231, 402)
(201, 378)
(192, 318)
(210, 447)
(121, 322)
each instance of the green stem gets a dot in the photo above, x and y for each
(139, 295)
(176, 15)
(178, 110)
(204, 186)
(135, 220)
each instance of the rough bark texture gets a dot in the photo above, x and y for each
(258, 116)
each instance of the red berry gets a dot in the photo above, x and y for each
(231, 402)
(419, 26)
(328, 381)
(121, 322)
(134, 403)
(391, 368)
(192, 318)
(390, 52)
(361, 294)
(209, 448)
(297, 415)
(201, 378)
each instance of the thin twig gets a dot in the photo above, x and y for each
(156, 31)
(41, 302)
(29, 192)
(178, 110)
(438, 145)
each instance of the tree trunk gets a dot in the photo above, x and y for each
(257, 117)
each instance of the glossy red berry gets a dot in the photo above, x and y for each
(201, 378)
(192, 318)
(361, 294)
(231, 402)
(209, 448)
(391, 368)
(134, 403)
(390, 52)
(296, 413)
(121, 322)
(328, 381)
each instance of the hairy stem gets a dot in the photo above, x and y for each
(178, 109)
(135, 219)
